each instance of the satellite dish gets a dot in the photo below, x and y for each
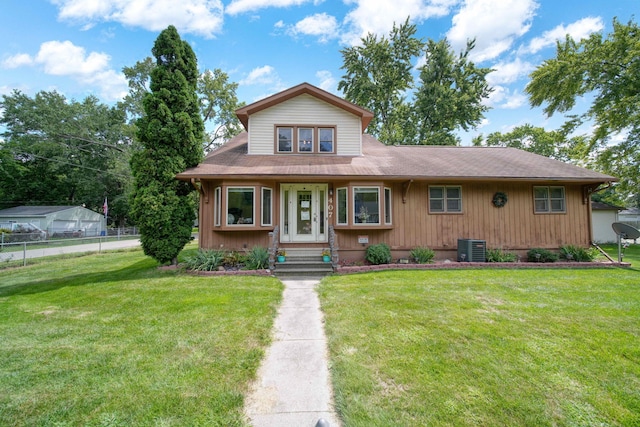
(625, 231)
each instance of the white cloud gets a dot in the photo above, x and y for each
(504, 98)
(264, 75)
(515, 100)
(19, 60)
(509, 72)
(493, 24)
(242, 6)
(327, 81)
(378, 16)
(202, 17)
(66, 59)
(321, 25)
(496, 97)
(578, 30)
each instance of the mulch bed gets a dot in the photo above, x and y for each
(442, 265)
(458, 265)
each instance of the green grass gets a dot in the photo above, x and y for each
(110, 340)
(631, 254)
(556, 347)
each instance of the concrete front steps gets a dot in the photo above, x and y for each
(303, 263)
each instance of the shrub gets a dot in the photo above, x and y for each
(576, 253)
(233, 259)
(422, 255)
(545, 255)
(498, 255)
(378, 254)
(205, 260)
(257, 258)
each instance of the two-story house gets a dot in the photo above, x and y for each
(304, 168)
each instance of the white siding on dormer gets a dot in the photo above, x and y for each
(305, 110)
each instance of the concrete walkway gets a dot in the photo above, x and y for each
(293, 387)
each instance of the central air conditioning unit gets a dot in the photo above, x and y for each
(470, 250)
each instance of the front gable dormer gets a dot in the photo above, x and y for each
(304, 120)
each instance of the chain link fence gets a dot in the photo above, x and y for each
(18, 248)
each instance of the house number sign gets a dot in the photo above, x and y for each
(330, 207)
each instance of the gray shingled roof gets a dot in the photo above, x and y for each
(393, 162)
(33, 210)
(601, 206)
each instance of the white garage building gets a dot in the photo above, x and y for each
(62, 221)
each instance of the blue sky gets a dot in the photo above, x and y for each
(79, 47)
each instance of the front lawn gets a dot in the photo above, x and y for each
(556, 347)
(631, 254)
(109, 340)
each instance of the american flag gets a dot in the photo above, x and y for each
(105, 207)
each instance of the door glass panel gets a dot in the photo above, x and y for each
(305, 214)
(322, 214)
(286, 212)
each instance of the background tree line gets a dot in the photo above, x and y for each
(55, 151)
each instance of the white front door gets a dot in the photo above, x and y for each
(303, 208)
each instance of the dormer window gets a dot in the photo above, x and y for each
(325, 137)
(305, 139)
(285, 140)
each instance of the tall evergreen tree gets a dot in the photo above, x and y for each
(171, 133)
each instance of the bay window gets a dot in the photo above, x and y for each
(366, 205)
(240, 206)
(267, 206)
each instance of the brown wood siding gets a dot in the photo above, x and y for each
(512, 227)
(213, 237)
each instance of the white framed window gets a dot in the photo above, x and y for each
(305, 140)
(445, 199)
(387, 205)
(366, 205)
(217, 206)
(549, 199)
(267, 205)
(342, 207)
(285, 139)
(240, 206)
(325, 140)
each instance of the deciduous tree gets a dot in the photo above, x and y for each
(448, 97)
(450, 94)
(218, 103)
(555, 144)
(604, 69)
(60, 152)
(378, 76)
(171, 133)
(216, 94)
